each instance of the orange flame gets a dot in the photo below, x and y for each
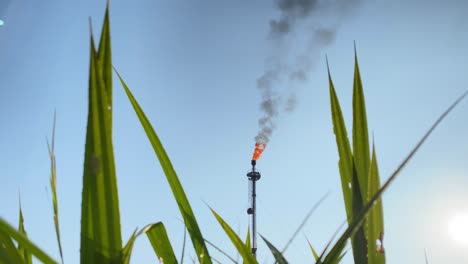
(259, 148)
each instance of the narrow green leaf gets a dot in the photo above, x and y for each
(248, 243)
(7, 231)
(127, 250)
(344, 150)
(314, 253)
(358, 239)
(247, 239)
(8, 251)
(171, 176)
(352, 195)
(160, 241)
(375, 226)
(182, 255)
(276, 253)
(104, 58)
(25, 254)
(220, 251)
(304, 221)
(101, 240)
(242, 248)
(358, 220)
(360, 132)
(53, 187)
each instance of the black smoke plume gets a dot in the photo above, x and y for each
(318, 21)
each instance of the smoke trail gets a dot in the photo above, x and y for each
(321, 20)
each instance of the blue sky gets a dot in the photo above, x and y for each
(193, 67)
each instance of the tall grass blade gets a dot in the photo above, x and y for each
(221, 251)
(243, 250)
(25, 254)
(182, 255)
(304, 221)
(157, 235)
(53, 187)
(248, 243)
(314, 253)
(8, 251)
(350, 185)
(101, 239)
(358, 239)
(279, 258)
(171, 176)
(345, 162)
(360, 131)
(128, 248)
(375, 225)
(357, 221)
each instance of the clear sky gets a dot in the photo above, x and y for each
(193, 66)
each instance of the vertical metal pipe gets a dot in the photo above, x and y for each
(254, 219)
(253, 176)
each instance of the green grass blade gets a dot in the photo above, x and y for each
(220, 251)
(101, 240)
(127, 250)
(182, 255)
(375, 224)
(171, 176)
(360, 132)
(160, 241)
(248, 243)
(344, 150)
(247, 239)
(8, 251)
(304, 221)
(243, 250)
(104, 57)
(24, 253)
(358, 239)
(276, 253)
(7, 231)
(53, 187)
(352, 194)
(358, 220)
(314, 253)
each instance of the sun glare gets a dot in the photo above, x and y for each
(458, 228)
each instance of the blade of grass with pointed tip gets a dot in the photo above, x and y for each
(127, 250)
(357, 221)
(349, 181)
(157, 235)
(345, 162)
(101, 240)
(276, 253)
(53, 187)
(247, 239)
(314, 253)
(360, 132)
(25, 254)
(375, 226)
(182, 255)
(171, 176)
(6, 231)
(243, 250)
